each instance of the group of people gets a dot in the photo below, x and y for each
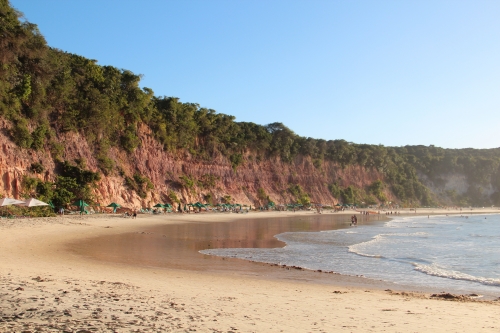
(133, 214)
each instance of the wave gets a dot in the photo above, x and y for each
(358, 248)
(434, 270)
(483, 236)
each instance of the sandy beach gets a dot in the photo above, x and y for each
(47, 287)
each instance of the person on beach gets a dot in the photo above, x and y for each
(134, 216)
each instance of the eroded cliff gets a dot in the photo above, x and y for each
(270, 176)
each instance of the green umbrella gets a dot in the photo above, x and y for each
(51, 204)
(159, 205)
(80, 203)
(114, 205)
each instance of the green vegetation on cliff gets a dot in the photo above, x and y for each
(45, 92)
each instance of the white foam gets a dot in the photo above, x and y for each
(360, 248)
(435, 270)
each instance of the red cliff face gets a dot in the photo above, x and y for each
(164, 169)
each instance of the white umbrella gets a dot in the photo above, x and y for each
(32, 202)
(9, 201)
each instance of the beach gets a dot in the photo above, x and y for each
(48, 287)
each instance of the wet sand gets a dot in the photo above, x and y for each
(49, 284)
(178, 245)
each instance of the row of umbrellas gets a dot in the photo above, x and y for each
(31, 202)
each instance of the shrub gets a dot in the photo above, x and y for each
(208, 181)
(37, 167)
(261, 194)
(335, 190)
(39, 135)
(317, 163)
(106, 164)
(56, 149)
(236, 160)
(21, 135)
(173, 197)
(129, 139)
(140, 184)
(187, 182)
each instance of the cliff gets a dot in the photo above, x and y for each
(164, 169)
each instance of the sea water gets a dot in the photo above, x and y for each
(453, 253)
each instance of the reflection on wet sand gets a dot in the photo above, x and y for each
(177, 245)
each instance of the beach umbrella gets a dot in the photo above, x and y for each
(51, 204)
(159, 205)
(9, 201)
(32, 202)
(80, 203)
(114, 205)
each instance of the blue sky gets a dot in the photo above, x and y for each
(379, 72)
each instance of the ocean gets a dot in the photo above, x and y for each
(458, 254)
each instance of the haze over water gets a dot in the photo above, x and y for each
(452, 253)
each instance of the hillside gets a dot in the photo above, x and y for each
(70, 128)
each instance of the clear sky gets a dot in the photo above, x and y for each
(379, 72)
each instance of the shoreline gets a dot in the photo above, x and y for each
(65, 290)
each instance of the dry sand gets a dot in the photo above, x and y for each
(46, 288)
